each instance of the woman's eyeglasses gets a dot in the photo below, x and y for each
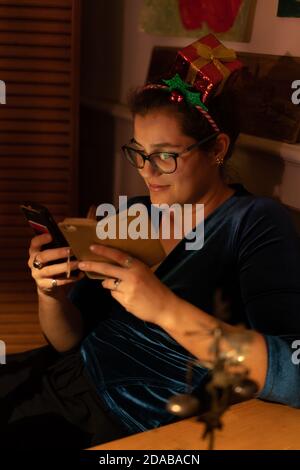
(165, 162)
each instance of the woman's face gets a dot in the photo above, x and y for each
(196, 171)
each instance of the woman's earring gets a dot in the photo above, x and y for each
(219, 161)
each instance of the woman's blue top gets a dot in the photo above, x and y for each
(251, 251)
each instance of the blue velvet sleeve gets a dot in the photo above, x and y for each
(269, 272)
(283, 376)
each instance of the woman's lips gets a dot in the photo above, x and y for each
(156, 187)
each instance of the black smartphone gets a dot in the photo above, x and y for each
(41, 221)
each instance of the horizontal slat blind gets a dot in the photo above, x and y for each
(38, 135)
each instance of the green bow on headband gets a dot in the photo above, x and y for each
(191, 97)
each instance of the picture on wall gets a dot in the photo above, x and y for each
(229, 20)
(289, 8)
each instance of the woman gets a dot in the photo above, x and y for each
(119, 350)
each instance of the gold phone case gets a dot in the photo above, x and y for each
(81, 234)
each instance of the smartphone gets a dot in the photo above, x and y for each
(41, 221)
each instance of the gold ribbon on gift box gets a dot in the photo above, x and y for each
(208, 54)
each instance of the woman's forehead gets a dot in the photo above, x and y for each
(159, 124)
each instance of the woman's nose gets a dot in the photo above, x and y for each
(149, 170)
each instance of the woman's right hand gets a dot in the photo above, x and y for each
(45, 276)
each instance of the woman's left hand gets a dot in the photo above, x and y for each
(131, 283)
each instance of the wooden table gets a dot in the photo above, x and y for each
(252, 425)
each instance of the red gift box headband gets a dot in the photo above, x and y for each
(182, 91)
(194, 90)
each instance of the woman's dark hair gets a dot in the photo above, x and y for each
(223, 108)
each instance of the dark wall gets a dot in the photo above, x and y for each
(101, 61)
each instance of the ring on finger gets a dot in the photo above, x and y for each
(53, 286)
(117, 282)
(37, 264)
(128, 262)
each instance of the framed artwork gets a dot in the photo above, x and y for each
(289, 8)
(229, 20)
(270, 112)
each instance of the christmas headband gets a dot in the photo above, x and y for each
(200, 70)
(180, 91)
